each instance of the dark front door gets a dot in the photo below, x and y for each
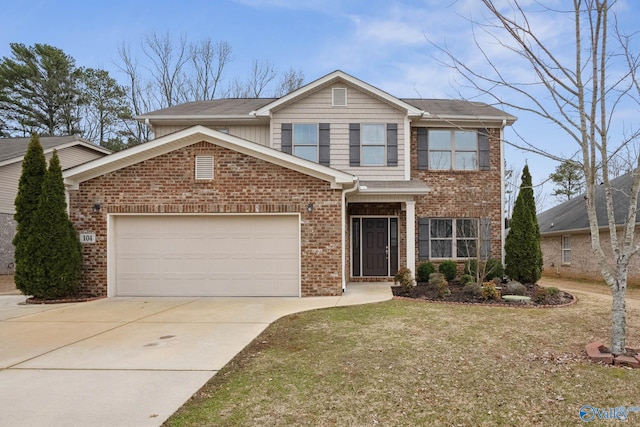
(375, 246)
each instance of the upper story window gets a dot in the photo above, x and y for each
(310, 141)
(453, 149)
(305, 141)
(373, 143)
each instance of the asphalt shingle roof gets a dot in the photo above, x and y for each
(572, 214)
(10, 148)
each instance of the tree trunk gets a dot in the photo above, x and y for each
(619, 316)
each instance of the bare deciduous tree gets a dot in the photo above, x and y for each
(289, 81)
(581, 95)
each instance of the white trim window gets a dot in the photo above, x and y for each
(453, 238)
(453, 149)
(305, 141)
(566, 250)
(373, 140)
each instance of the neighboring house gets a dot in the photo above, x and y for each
(566, 236)
(336, 182)
(72, 151)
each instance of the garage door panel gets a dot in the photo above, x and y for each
(207, 255)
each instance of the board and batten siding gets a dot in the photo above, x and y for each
(361, 108)
(10, 174)
(258, 134)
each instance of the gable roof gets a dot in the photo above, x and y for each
(74, 176)
(13, 149)
(252, 109)
(572, 214)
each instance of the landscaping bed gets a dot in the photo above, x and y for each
(531, 296)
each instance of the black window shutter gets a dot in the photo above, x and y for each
(324, 152)
(423, 148)
(483, 149)
(392, 144)
(286, 138)
(423, 238)
(354, 144)
(485, 238)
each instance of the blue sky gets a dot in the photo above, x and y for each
(383, 42)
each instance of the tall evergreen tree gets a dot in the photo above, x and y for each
(34, 167)
(569, 180)
(55, 252)
(523, 255)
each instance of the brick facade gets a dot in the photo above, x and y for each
(241, 184)
(462, 194)
(583, 264)
(7, 251)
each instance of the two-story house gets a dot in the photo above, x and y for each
(336, 182)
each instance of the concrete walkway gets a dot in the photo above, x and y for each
(129, 361)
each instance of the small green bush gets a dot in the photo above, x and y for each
(438, 282)
(553, 291)
(404, 278)
(466, 278)
(514, 288)
(540, 295)
(473, 288)
(489, 291)
(449, 269)
(424, 270)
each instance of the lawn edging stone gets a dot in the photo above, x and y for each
(597, 352)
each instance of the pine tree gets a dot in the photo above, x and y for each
(34, 167)
(56, 254)
(523, 255)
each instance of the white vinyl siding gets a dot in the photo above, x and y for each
(254, 133)
(206, 255)
(10, 174)
(361, 108)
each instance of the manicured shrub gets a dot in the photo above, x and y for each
(473, 288)
(424, 270)
(466, 278)
(523, 255)
(55, 259)
(489, 291)
(34, 167)
(514, 288)
(438, 282)
(403, 278)
(449, 269)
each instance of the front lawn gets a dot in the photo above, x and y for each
(409, 363)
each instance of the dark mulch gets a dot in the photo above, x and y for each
(423, 291)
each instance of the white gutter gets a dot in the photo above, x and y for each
(344, 231)
(502, 230)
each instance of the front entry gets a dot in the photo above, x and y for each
(375, 246)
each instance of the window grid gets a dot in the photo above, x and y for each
(448, 236)
(305, 141)
(566, 249)
(373, 144)
(453, 149)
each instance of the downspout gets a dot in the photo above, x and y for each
(344, 231)
(502, 185)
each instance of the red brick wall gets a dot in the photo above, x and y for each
(462, 194)
(243, 184)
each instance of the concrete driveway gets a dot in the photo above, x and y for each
(129, 361)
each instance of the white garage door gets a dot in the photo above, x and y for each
(215, 255)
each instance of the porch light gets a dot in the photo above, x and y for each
(97, 207)
(310, 207)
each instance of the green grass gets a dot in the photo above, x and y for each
(406, 363)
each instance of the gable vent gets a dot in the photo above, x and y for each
(204, 167)
(339, 96)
